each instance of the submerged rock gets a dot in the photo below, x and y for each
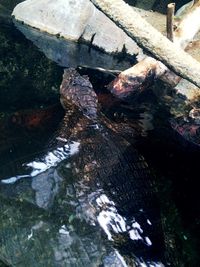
(31, 237)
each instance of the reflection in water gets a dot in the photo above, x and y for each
(50, 160)
(71, 54)
(113, 223)
(46, 181)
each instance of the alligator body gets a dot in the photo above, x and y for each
(99, 178)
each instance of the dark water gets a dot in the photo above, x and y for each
(49, 217)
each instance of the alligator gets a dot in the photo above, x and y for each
(111, 182)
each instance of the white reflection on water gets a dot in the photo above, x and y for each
(113, 223)
(51, 159)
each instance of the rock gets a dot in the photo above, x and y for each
(75, 20)
(88, 29)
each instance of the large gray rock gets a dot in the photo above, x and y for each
(75, 20)
(90, 38)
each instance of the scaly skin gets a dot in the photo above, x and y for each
(107, 162)
(77, 91)
(104, 183)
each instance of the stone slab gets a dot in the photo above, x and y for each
(75, 20)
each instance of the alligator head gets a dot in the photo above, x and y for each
(77, 93)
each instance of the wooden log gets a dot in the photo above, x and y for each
(159, 70)
(133, 81)
(188, 27)
(150, 39)
(170, 21)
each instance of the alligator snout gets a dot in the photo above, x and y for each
(77, 93)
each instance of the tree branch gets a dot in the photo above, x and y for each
(150, 39)
(170, 21)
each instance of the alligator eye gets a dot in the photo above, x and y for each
(85, 110)
(73, 83)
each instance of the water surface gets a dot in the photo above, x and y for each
(49, 217)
